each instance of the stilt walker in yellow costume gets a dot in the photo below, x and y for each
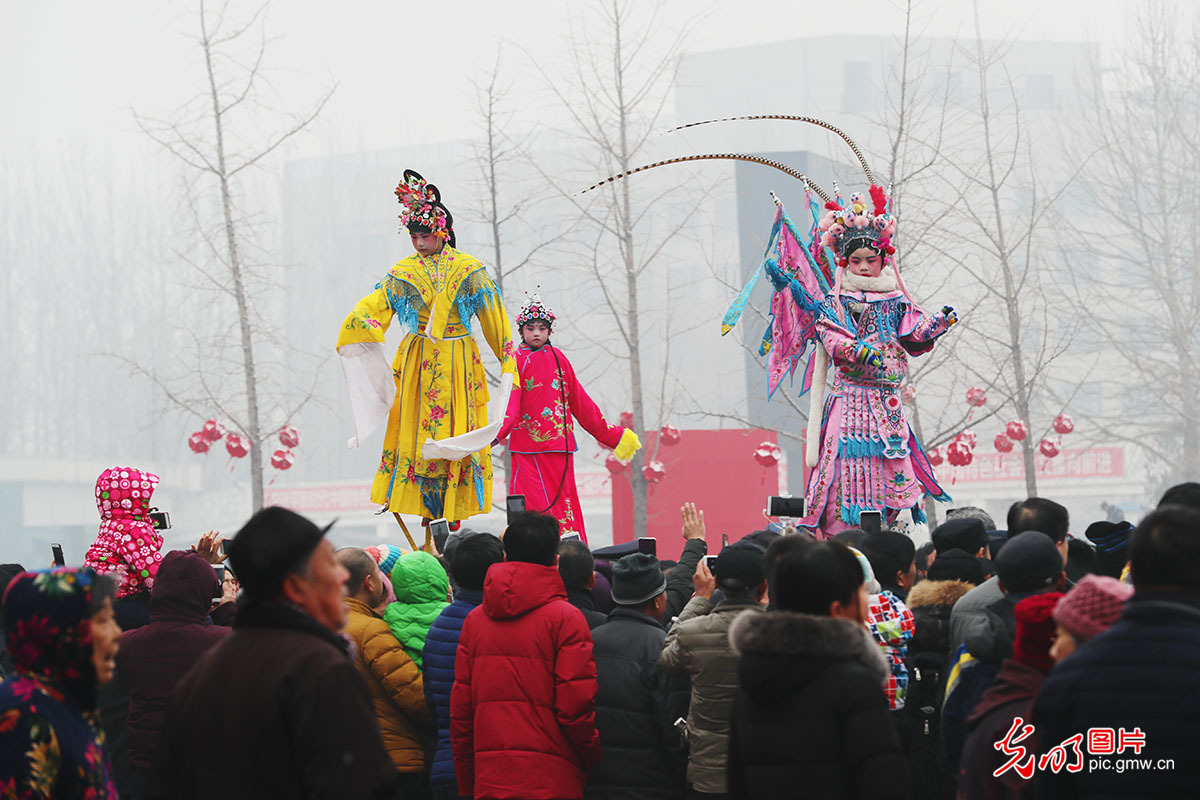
(436, 458)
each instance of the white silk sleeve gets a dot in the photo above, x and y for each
(371, 384)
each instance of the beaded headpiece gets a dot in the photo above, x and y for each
(533, 309)
(845, 228)
(423, 211)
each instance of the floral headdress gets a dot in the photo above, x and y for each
(423, 211)
(854, 226)
(533, 309)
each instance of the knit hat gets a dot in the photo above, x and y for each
(1110, 537)
(956, 565)
(963, 533)
(1092, 607)
(1035, 631)
(869, 581)
(1029, 563)
(637, 579)
(388, 553)
(739, 566)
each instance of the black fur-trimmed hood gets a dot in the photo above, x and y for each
(782, 650)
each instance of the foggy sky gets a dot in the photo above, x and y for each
(71, 71)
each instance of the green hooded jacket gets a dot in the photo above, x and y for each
(421, 587)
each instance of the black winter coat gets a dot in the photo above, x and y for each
(276, 709)
(679, 583)
(1141, 673)
(810, 718)
(636, 705)
(928, 665)
(583, 600)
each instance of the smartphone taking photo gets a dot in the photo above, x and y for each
(514, 504)
(871, 521)
(440, 530)
(219, 569)
(785, 507)
(648, 545)
(56, 550)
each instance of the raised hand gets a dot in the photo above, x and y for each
(693, 521)
(951, 316)
(210, 547)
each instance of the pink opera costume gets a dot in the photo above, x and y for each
(860, 447)
(539, 425)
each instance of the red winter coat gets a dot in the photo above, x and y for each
(522, 711)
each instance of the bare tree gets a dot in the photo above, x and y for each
(1013, 340)
(241, 368)
(614, 88)
(1135, 264)
(505, 200)
(82, 273)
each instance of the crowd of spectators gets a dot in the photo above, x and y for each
(1023, 662)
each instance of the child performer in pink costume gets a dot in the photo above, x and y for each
(539, 420)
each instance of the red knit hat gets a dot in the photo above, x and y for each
(1093, 606)
(1035, 630)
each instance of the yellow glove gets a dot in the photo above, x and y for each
(629, 444)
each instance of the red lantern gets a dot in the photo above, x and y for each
(627, 419)
(969, 437)
(615, 465)
(959, 454)
(198, 443)
(934, 455)
(237, 446)
(213, 430)
(654, 472)
(289, 437)
(908, 394)
(669, 435)
(1063, 424)
(768, 454)
(1050, 447)
(976, 397)
(1003, 443)
(1016, 430)
(283, 459)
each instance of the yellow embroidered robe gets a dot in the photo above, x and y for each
(441, 390)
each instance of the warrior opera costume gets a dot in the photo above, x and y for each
(860, 447)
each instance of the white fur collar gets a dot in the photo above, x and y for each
(886, 282)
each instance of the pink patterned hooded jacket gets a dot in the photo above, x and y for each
(127, 543)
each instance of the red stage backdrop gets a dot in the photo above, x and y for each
(717, 471)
